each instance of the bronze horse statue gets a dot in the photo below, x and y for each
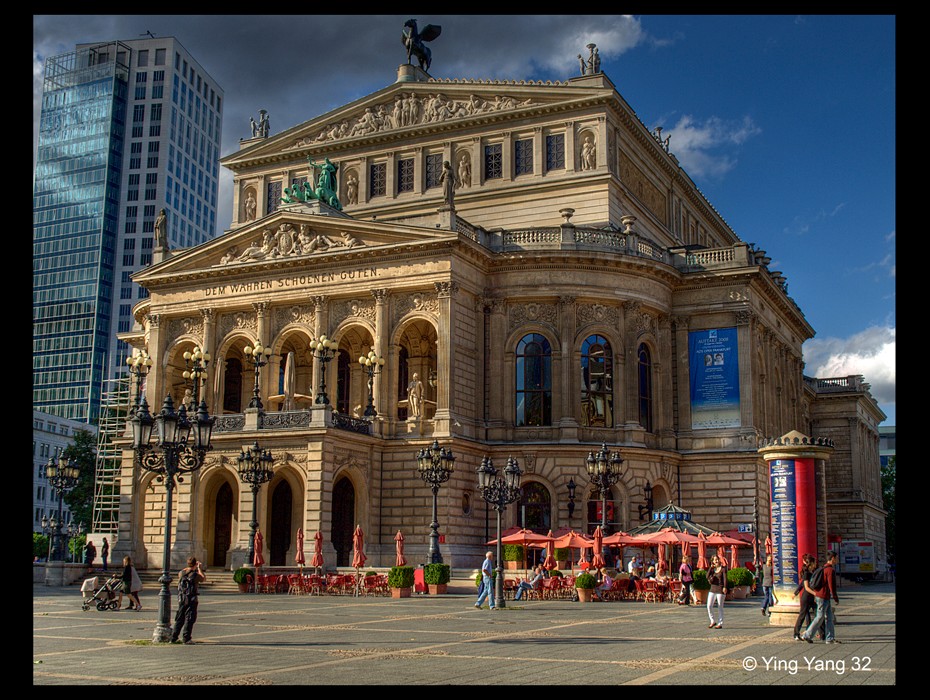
(414, 41)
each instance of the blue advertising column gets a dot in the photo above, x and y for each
(794, 462)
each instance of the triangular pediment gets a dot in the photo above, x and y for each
(407, 110)
(295, 236)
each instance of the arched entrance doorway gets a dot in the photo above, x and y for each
(343, 521)
(222, 526)
(281, 500)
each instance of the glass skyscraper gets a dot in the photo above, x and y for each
(127, 128)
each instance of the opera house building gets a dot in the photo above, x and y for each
(531, 276)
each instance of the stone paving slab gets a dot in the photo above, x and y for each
(248, 639)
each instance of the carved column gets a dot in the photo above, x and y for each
(631, 311)
(477, 161)
(569, 147)
(390, 177)
(445, 354)
(155, 386)
(320, 309)
(683, 375)
(209, 338)
(261, 332)
(568, 424)
(744, 321)
(539, 152)
(382, 333)
(495, 368)
(600, 154)
(418, 170)
(363, 195)
(507, 156)
(663, 382)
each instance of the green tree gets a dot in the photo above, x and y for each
(39, 545)
(82, 453)
(888, 488)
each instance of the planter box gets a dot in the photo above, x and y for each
(437, 588)
(400, 592)
(740, 592)
(585, 594)
(511, 565)
(700, 596)
(243, 587)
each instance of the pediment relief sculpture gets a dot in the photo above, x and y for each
(287, 242)
(411, 110)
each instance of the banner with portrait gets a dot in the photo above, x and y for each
(714, 360)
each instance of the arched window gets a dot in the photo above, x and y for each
(232, 386)
(597, 396)
(645, 388)
(403, 379)
(535, 507)
(534, 381)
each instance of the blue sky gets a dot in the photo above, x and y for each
(785, 122)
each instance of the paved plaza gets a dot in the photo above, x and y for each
(248, 639)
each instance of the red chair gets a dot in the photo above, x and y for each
(674, 590)
(315, 584)
(638, 585)
(295, 584)
(510, 588)
(650, 591)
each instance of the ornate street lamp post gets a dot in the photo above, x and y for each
(571, 497)
(372, 364)
(499, 490)
(179, 449)
(72, 533)
(139, 367)
(62, 476)
(324, 350)
(435, 465)
(604, 471)
(196, 362)
(255, 468)
(647, 506)
(259, 356)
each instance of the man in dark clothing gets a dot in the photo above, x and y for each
(184, 620)
(823, 597)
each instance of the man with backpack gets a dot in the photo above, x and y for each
(184, 620)
(822, 585)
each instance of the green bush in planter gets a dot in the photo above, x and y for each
(370, 573)
(401, 577)
(240, 574)
(556, 573)
(436, 574)
(739, 576)
(585, 581)
(700, 582)
(513, 552)
(562, 553)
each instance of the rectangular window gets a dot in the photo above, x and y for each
(137, 131)
(523, 156)
(138, 113)
(152, 162)
(160, 57)
(405, 175)
(493, 161)
(377, 181)
(555, 152)
(273, 199)
(156, 113)
(130, 227)
(154, 131)
(140, 92)
(142, 58)
(433, 169)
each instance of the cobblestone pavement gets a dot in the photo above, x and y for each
(247, 639)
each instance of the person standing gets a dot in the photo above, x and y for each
(130, 584)
(487, 582)
(90, 553)
(686, 575)
(807, 600)
(768, 582)
(717, 577)
(105, 552)
(188, 580)
(823, 596)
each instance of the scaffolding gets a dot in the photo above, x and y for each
(115, 408)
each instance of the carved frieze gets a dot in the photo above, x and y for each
(287, 241)
(590, 314)
(189, 326)
(410, 110)
(641, 186)
(237, 320)
(352, 308)
(425, 302)
(298, 313)
(533, 312)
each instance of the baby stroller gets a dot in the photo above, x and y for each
(104, 596)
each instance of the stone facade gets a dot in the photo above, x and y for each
(543, 261)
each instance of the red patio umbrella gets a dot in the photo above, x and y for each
(662, 565)
(525, 538)
(300, 559)
(317, 560)
(399, 544)
(358, 554)
(702, 551)
(258, 559)
(549, 562)
(734, 560)
(597, 560)
(572, 540)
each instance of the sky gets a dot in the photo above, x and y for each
(786, 123)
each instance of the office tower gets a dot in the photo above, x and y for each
(128, 128)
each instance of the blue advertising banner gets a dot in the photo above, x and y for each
(784, 522)
(714, 360)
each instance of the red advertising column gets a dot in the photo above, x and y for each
(792, 461)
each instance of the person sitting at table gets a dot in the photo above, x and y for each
(532, 584)
(651, 572)
(662, 577)
(635, 568)
(605, 585)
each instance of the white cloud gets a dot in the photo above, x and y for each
(706, 149)
(870, 353)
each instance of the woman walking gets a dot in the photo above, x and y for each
(768, 583)
(717, 577)
(807, 601)
(130, 584)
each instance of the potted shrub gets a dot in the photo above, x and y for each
(400, 581)
(240, 576)
(556, 573)
(437, 577)
(700, 585)
(561, 555)
(585, 583)
(739, 580)
(513, 556)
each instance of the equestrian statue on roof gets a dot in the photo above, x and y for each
(414, 41)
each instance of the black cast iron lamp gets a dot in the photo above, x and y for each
(180, 448)
(371, 364)
(62, 476)
(256, 467)
(259, 356)
(196, 361)
(499, 490)
(324, 350)
(604, 471)
(435, 465)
